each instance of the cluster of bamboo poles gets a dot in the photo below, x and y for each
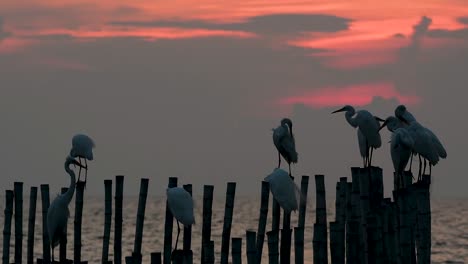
(367, 228)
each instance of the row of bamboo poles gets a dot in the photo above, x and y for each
(367, 227)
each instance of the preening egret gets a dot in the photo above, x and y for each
(180, 204)
(284, 190)
(368, 125)
(426, 143)
(57, 214)
(401, 146)
(283, 139)
(82, 147)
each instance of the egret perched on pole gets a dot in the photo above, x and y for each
(180, 204)
(401, 146)
(368, 131)
(283, 139)
(82, 147)
(426, 143)
(284, 190)
(57, 214)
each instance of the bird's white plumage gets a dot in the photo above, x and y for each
(284, 190)
(181, 205)
(401, 148)
(82, 146)
(284, 142)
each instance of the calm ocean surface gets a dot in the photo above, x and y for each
(449, 227)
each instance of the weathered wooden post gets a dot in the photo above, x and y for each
(404, 226)
(334, 242)
(31, 224)
(265, 197)
(9, 196)
(356, 243)
(251, 249)
(275, 213)
(320, 241)
(273, 252)
(156, 258)
(45, 236)
(168, 226)
(375, 249)
(228, 212)
(208, 258)
(187, 247)
(395, 219)
(236, 250)
(64, 241)
(424, 220)
(107, 221)
(118, 219)
(376, 185)
(338, 250)
(78, 216)
(207, 213)
(299, 231)
(349, 208)
(286, 232)
(18, 189)
(136, 255)
(364, 183)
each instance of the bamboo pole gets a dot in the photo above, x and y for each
(299, 245)
(207, 213)
(320, 241)
(404, 226)
(156, 258)
(334, 242)
(107, 220)
(18, 189)
(228, 212)
(286, 232)
(168, 226)
(395, 219)
(118, 219)
(63, 239)
(273, 253)
(299, 231)
(358, 242)
(275, 213)
(376, 187)
(265, 197)
(424, 220)
(45, 236)
(136, 255)
(31, 224)
(349, 208)
(208, 258)
(236, 250)
(364, 185)
(78, 217)
(375, 250)
(9, 196)
(340, 219)
(251, 249)
(188, 229)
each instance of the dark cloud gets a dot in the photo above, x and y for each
(399, 35)
(445, 33)
(269, 24)
(419, 31)
(463, 20)
(3, 34)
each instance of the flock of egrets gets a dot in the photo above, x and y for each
(409, 138)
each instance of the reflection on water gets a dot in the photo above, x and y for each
(449, 225)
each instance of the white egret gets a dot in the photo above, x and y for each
(82, 147)
(180, 204)
(368, 125)
(401, 146)
(426, 143)
(284, 190)
(57, 214)
(283, 139)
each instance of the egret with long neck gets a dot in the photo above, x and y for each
(283, 138)
(58, 213)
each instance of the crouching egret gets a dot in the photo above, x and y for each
(368, 134)
(82, 147)
(180, 204)
(57, 214)
(283, 139)
(284, 190)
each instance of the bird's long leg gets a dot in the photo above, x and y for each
(370, 160)
(52, 255)
(430, 169)
(79, 171)
(424, 171)
(411, 162)
(86, 170)
(279, 160)
(178, 232)
(289, 164)
(420, 167)
(364, 161)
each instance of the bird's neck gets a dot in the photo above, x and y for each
(349, 117)
(68, 195)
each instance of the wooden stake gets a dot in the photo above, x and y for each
(118, 219)
(107, 220)
(236, 250)
(9, 196)
(228, 212)
(18, 188)
(168, 226)
(207, 213)
(265, 197)
(31, 224)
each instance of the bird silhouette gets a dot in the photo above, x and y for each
(283, 138)
(82, 148)
(57, 214)
(368, 134)
(180, 204)
(426, 143)
(284, 190)
(401, 146)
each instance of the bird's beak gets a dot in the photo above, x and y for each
(339, 110)
(383, 125)
(379, 119)
(76, 163)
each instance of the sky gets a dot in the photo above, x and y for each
(192, 89)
